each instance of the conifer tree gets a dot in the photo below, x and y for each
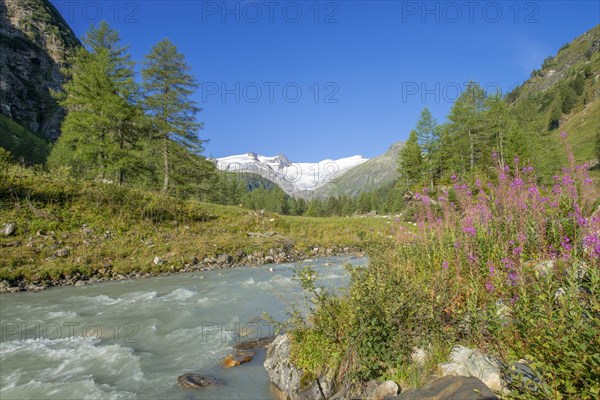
(410, 162)
(168, 87)
(103, 125)
(428, 136)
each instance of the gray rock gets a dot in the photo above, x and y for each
(473, 363)
(520, 374)
(450, 388)
(66, 252)
(385, 390)
(159, 261)
(544, 268)
(195, 381)
(8, 229)
(254, 344)
(419, 356)
(80, 283)
(286, 377)
(224, 258)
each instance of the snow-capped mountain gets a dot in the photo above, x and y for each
(292, 177)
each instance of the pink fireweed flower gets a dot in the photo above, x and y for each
(508, 264)
(445, 265)
(591, 242)
(512, 279)
(517, 251)
(566, 245)
(563, 135)
(453, 178)
(517, 182)
(470, 230)
(534, 190)
(489, 286)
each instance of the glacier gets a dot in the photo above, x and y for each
(292, 177)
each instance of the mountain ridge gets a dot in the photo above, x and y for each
(292, 177)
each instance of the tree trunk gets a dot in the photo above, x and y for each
(472, 145)
(166, 171)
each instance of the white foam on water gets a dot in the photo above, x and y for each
(62, 361)
(62, 314)
(100, 299)
(138, 297)
(248, 282)
(180, 294)
(80, 389)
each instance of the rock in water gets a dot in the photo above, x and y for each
(8, 229)
(195, 381)
(241, 357)
(450, 387)
(254, 344)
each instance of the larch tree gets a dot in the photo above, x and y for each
(428, 137)
(410, 163)
(103, 121)
(168, 87)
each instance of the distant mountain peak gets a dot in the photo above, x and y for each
(292, 177)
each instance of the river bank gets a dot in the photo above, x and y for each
(222, 261)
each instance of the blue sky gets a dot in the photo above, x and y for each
(316, 80)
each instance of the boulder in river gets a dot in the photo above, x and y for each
(240, 357)
(254, 344)
(195, 381)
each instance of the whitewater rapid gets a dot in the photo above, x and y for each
(131, 339)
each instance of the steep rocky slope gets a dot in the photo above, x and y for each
(34, 43)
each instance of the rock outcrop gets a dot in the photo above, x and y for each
(288, 380)
(473, 363)
(34, 43)
(450, 387)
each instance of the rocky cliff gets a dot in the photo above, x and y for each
(34, 43)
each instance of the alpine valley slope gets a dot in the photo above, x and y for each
(345, 176)
(371, 175)
(292, 177)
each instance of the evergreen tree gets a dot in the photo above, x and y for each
(103, 124)
(467, 135)
(569, 98)
(410, 162)
(168, 87)
(428, 137)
